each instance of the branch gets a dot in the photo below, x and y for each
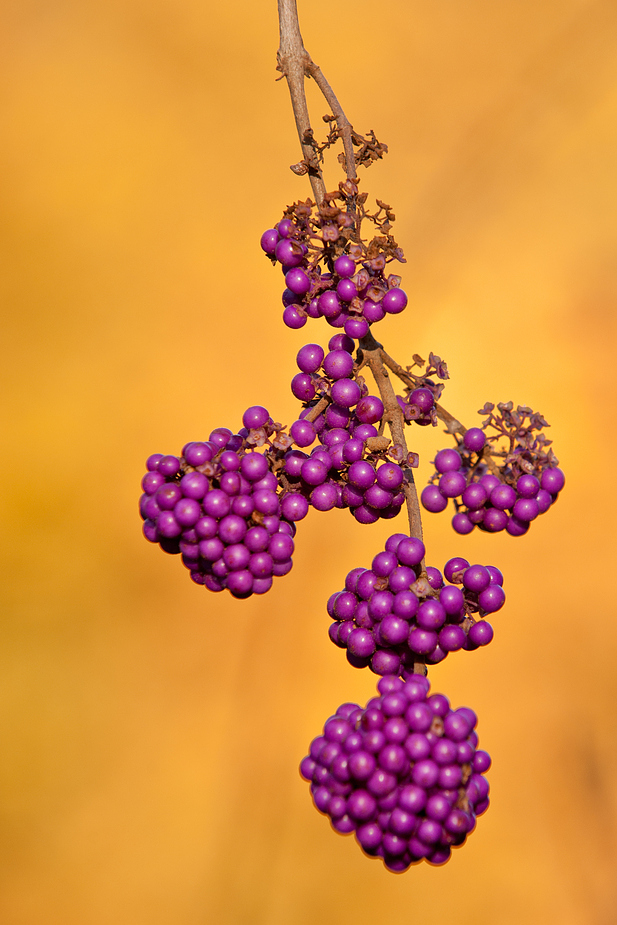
(295, 64)
(343, 123)
(372, 357)
(293, 60)
(453, 426)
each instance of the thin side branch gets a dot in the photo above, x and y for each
(343, 123)
(453, 426)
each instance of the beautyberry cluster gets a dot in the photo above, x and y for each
(498, 481)
(351, 467)
(404, 773)
(329, 272)
(217, 505)
(420, 400)
(395, 615)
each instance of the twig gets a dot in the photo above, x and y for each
(372, 357)
(295, 63)
(344, 126)
(293, 60)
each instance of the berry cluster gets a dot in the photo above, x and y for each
(495, 486)
(217, 505)
(419, 402)
(327, 273)
(390, 617)
(351, 467)
(405, 773)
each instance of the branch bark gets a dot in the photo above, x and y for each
(295, 64)
(372, 357)
(293, 60)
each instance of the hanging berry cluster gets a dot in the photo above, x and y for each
(405, 773)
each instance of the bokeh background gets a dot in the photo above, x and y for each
(151, 732)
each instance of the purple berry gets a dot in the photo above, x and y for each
(394, 301)
(423, 399)
(527, 486)
(298, 281)
(447, 461)
(433, 499)
(302, 433)
(344, 266)
(310, 358)
(461, 524)
(294, 318)
(552, 480)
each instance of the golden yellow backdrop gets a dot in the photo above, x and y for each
(151, 732)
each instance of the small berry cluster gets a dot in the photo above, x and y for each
(329, 275)
(217, 505)
(493, 496)
(420, 400)
(351, 467)
(405, 773)
(393, 615)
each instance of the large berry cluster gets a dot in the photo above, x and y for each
(393, 615)
(329, 272)
(217, 504)
(404, 774)
(498, 481)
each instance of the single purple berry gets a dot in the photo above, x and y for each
(298, 281)
(492, 598)
(269, 240)
(461, 524)
(294, 318)
(494, 521)
(302, 433)
(447, 460)
(310, 358)
(452, 484)
(346, 392)
(356, 327)
(433, 499)
(254, 417)
(481, 633)
(527, 486)
(344, 266)
(552, 480)
(369, 410)
(394, 301)
(423, 399)
(526, 509)
(476, 578)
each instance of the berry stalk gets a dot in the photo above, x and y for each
(371, 355)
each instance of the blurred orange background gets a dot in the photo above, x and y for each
(152, 731)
